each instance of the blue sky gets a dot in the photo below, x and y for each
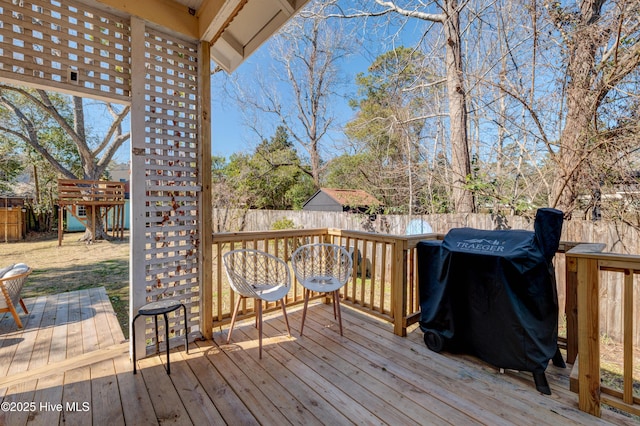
(230, 134)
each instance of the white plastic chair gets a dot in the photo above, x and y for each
(322, 268)
(260, 276)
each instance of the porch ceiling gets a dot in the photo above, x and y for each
(234, 28)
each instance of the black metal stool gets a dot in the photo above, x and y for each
(156, 308)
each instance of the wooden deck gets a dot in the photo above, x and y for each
(72, 352)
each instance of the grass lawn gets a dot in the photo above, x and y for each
(74, 266)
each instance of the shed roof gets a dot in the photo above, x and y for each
(351, 197)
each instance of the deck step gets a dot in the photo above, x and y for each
(83, 360)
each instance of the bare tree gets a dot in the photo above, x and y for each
(31, 115)
(507, 144)
(601, 44)
(566, 109)
(449, 19)
(300, 88)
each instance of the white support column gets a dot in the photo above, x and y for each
(137, 274)
(204, 202)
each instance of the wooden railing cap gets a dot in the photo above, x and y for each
(587, 248)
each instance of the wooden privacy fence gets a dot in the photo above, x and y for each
(619, 237)
(12, 223)
(383, 281)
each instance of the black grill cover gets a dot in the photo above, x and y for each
(493, 293)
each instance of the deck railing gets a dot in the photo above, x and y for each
(383, 281)
(590, 269)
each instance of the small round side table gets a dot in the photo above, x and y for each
(161, 307)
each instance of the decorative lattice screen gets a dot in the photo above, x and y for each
(65, 45)
(62, 44)
(172, 237)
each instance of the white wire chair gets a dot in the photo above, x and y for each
(260, 276)
(12, 279)
(322, 268)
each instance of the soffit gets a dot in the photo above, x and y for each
(234, 28)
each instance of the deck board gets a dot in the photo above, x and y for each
(88, 326)
(308, 399)
(228, 403)
(200, 407)
(435, 377)
(251, 396)
(136, 403)
(266, 380)
(352, 386)
(77, 386)
(58, 348)
(406, 396)
(166, 401)
(72, 352)
(393, 364)
(48, 389)
(443, 377)
(105, 396)
(488, 395)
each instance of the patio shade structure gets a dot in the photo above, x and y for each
(155, 56)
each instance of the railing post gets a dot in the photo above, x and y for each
(399, 287)
(205, 249)
(571, 307)
(628, 308)
(571, 294)
(588, 336)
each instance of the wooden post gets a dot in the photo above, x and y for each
(122, 219)
(328, 297)
(93, 223)
(6, 220)
(399, 287)
(628, 309)
(571, 296)
(571, 307)
(204, 199)
(60, 223)
(137, 273)
(588, 336)
(20, 233)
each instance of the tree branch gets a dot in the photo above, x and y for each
(32, 138)
(115, 127)
(391, 7)
(48, 106)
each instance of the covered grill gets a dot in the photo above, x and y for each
(493, 294)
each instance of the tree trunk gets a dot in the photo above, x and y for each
(461, 165)
(569, 168)
(100, 227)
(582, 104)
(314, 154)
